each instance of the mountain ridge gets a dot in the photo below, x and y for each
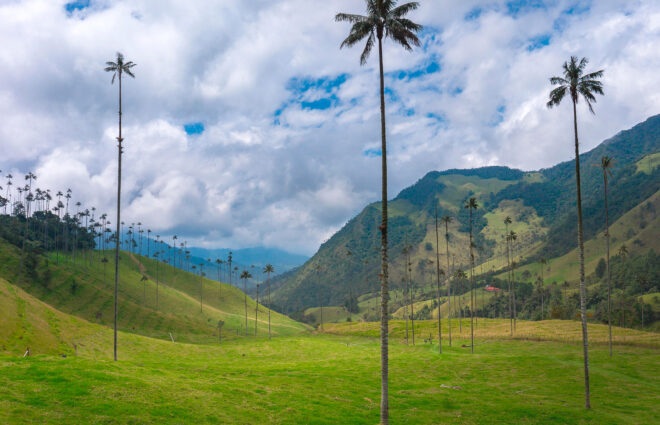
(548, 195)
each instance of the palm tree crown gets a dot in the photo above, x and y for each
(384, 19)
(576, 84)
(119, 67)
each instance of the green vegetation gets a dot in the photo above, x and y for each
(649, 163)
(259, 381)
(176, 310)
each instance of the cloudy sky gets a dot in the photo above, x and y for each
(246, 124)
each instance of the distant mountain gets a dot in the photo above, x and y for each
(541, 204)
(281, 260)
(245, 259)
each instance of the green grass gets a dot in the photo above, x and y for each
(330, 314)
(648, 163)
(178, 310)
(318, 379)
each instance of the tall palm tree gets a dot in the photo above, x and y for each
(507, 221)
(606, 163)
(586, 86)
(268, 270)
(118, 68)
(471, 205)
(201, 287)
(256, 312)
(513, 236)
(543, 263)
(406, 283)
(384, 19)
(446, 220)
(245, 276)
(437, 277)
(30, 178)
(219, 262)
(318, 281)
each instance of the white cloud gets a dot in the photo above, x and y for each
(291, 178)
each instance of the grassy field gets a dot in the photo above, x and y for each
(298, 377)
(534, 378)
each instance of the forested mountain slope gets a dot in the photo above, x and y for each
(541, 204)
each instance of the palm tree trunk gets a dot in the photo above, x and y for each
(245, 300)
(449, 274)
(437, 278)
(583, 294)
(119, 152)
(508, 276)
(412, 311)
(256, 312)
(268, 305)
(384, 291)
(471, 289)
(609, 274)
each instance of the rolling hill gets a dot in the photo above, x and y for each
(541, 204)
(85, 289)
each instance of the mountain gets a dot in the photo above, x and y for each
(190, 258)
(541, 204)
(281, 260)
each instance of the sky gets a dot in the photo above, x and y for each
(247, 125)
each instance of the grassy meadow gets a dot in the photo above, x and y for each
(311, 378)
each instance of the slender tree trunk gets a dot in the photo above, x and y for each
(157, 284)
(583, 292)
(609, 274)
(471, 289)
(256, 312)
(384, 292)
(508, 276)
(268, 305)
(27, 215)
(449, 274)
(437, 278)
(245, 300)
(119, 152)
(412, 310)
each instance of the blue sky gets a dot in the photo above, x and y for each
(246, 124)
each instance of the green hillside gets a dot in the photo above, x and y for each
(541, 205)
(87, 291)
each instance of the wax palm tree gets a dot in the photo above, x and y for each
(437, 277)
(30, 178)
(256, 311)
(219, 262)
(318, 281)
(543, 263)
(268, 270)
(606, 164)
(245, 276)
(384, 19)
(201, 287)
(507, 221)
(512, 237)
(623, 251)
(471, 205)
(585, 86)
(446, 220)
(118, 68)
